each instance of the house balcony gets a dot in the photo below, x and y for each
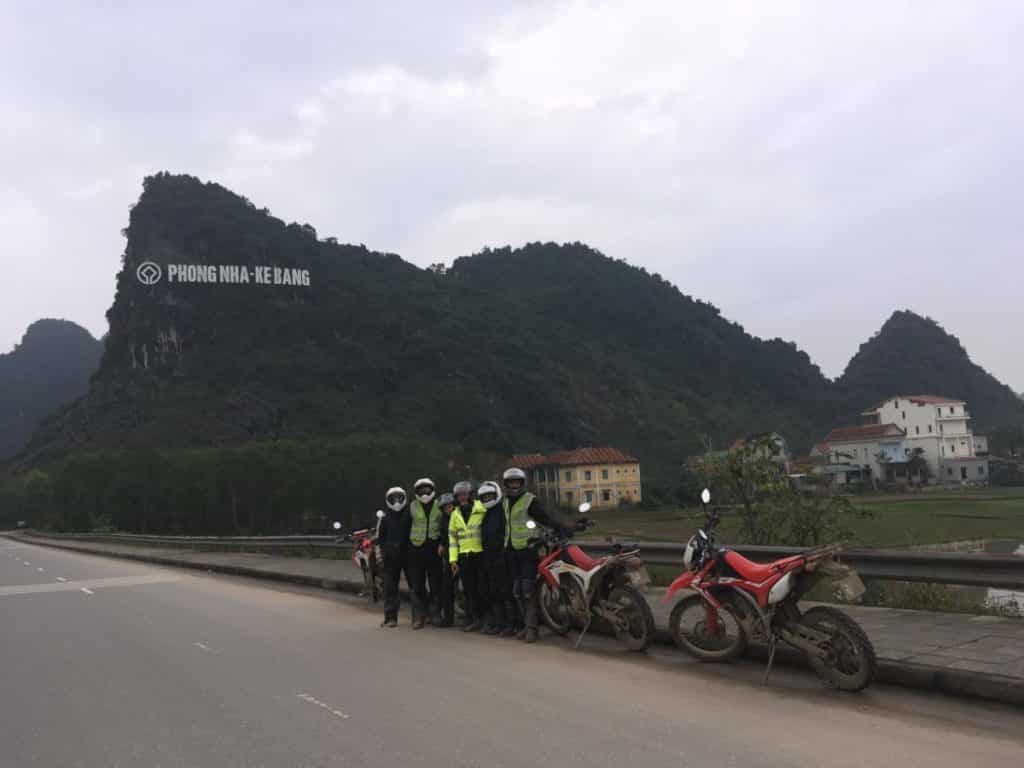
(954, 417)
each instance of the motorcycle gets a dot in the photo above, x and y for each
(575, 588)
(368, 558)
(735, 600)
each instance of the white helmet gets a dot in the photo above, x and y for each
(395, 498)
(423, 489)
(513, 474)
(489, 494)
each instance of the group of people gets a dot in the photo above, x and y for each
(480, 537)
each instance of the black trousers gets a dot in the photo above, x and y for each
(471, 573)
(446, 597)
(394, 565)
(499, 589)
(522, 566)
(424, 568)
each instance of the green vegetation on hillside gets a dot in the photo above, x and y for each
(51, 366)
(539, 348)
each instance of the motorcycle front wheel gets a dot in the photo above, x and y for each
(848, 662)
(633, 608)
(691, 628)
(554, 608)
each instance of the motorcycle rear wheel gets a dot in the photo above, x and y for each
(554, 609)
(727, 642)
(634, 608)
(850, 662)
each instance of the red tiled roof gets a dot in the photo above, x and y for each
(528, 460)
(864, 432)
(596, 455)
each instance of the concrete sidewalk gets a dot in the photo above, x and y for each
(960, 654)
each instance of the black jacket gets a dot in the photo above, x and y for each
(492, 530)
(394, 528)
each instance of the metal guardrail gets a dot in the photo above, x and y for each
(977, 570)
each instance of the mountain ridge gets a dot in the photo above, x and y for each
(536, 348)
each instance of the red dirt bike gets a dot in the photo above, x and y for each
(366, 556)
(736, 600)
(574, 588)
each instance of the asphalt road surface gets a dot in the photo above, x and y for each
(112, 663)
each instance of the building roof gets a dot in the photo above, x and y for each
(590, 455)
(863, 432)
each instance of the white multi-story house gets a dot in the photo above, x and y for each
(869, 453)
(939, 426)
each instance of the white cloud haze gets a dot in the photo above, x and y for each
(806, 166)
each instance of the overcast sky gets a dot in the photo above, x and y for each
(806, 166)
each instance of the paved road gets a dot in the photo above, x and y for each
(160, 667)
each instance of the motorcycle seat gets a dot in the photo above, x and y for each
(582, 559)
(748, 569)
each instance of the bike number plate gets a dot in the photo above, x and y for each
(848, 589)
(639, 577)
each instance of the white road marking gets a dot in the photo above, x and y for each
(41, 570)
(85, 584)
(61, 578)
(26, 562)
(316, 702)
(88, 591)
(205, 647)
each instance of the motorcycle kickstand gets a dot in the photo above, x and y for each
(771, 658)
(579, 639)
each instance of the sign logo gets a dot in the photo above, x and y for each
(149, 273)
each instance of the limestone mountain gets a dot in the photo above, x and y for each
(51, 366)
(914, 355)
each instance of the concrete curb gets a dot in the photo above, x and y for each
(998, 688)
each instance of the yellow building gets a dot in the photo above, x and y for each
(605, 477)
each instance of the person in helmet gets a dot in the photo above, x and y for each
(465, 550)
(423, 563)
(446, 598)
(393, 537)
(520, 506)
(501, 615)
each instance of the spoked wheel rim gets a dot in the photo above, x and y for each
(554, 606)
(848, 660)
(715, 633)
(638, 626)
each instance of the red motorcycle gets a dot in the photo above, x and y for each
(735, 600)
(366, 556)
(574, 588)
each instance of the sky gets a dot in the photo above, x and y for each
(809, 167)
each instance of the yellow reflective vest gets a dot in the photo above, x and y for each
(464, 535)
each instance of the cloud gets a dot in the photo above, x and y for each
(809, 167)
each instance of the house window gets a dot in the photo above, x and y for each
(568, 476)
(981, 470)
(929, 429)
(917, 430)
(938, 411)
(952, 410)
(590, 495)
(904, 415)
(943, 450)
(604, 474)
(942, 428)
(586, 476)
(949, 471)
(895, 403)
(607, 495)
(952, 447)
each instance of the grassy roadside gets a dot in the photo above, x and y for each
(897, 520)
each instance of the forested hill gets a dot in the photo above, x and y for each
(914, 355)
(509, 351)
(532, 349)
(50, 366)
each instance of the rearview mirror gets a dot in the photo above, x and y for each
(336, 525)
(380, 514)
(531, 524)
(705, 496)
(584, 507)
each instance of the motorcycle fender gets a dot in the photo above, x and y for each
(682, 582)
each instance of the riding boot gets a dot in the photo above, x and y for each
(496, 623)
(530, 618)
